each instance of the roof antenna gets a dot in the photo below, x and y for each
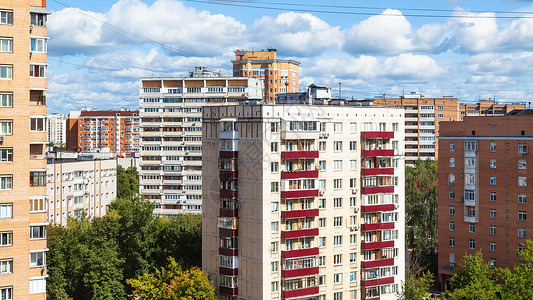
(340, 91)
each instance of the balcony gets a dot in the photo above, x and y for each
(299, 174)
(228, 291)
(377, 190)
(377, 263)
(299, 154)
(469, 219)
(291, 214)
(377, 134)
(291, 234)
(224, 232)
(377, 245)
(229, 154)
(231, 213)
(228, 193)
(300, 292)
(299, 272)
(228, 271)
(299, 252)
(376, 208)
(299, 194)
(375, 282)
(375, 153)
(378, 226)
(229, 174)
(228, 251)
(470, 202)
(378, 171)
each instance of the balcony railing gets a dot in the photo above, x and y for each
(300, 292)
(378, 226)
(376, 208)
(290, 214)
(299, 174)
(377, 245)
(291, 234)
(299, 272)
(299, 252)
(375, 282)
(378, 171)
(377, 134)
(299, 154)
(377, 189)
(377, 263)
(299, 193)
(374, 153)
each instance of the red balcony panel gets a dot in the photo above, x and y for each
(228, 251)
(228, 271)
(299, 154)
(377, 134)
(299, 253)
(378, 226)
(380, 281)
(299, 194)
(378, 171)
(378, 190)
(229, 154)
(228, 194)
(232, 213)
(300, 293)
(228, 291)
(228, 232)
(376, 208)
(229, 174)
(299, 213)
(299, 233)
(377, 245)
(374, 153)
(299, 272)
(377, 263)
(299, 174)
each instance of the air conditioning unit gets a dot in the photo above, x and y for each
(523, 154)
(354, 191)
(355, 210)
(321, 193)
(396, 206)
(459, 199)
(319, 167)
(1, 138)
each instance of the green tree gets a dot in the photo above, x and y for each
(474, 280)
(415, 288)
(127, 182)
(519, 283)
(173, 283)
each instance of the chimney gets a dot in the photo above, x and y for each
(44, 3)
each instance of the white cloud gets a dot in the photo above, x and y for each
(412, 67)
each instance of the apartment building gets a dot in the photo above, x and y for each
(303, 201)
(81, 185)
(57, 129)
(278, 75)
(115, 131)
(423, 115)
(23, 82)
(171, 134)
(483, 189)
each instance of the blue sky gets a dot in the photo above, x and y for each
(468, 49)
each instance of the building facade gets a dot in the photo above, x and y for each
(483, 189)
(278, 75)
(115, 131)
(57, 129)
(77, 186)
(23, 82)
(171, 134)
(303, 201)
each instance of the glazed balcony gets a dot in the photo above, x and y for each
(378, 171)
(227, 212)
(376, 153)
(299, 272)
(378, 281)
(299, 252)
(377, 190)
(300, 292)
(292, 234)
(229, 174)
(228, 291)
(299, 194)
(377, 134)
(229, 154)
(299, 174)
(377, 226)
(228, 271)
(377, 263)
(377, 245)
(377, 208)
(291, 214)
(299, 154)
(228, 251)
(224, 232)
(231, 193)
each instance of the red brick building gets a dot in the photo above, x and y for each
(484, 196)
(115, 131)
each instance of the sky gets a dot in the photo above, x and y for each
(471, 49)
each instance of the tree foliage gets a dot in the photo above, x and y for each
(173, 283)
(518, 284)
(474, 280)
(91, 259)
(127, 182)
(415, 288)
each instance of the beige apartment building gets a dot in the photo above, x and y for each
(81, 185)
(23, 82)
(303, 201)
(171, 134)
(57, 129)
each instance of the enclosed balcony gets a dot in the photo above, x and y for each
(377, 134)
(229, 207)
(299, 267)
(299, 252)
(228, 246)
(299, 287)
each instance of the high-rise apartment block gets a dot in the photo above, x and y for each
(115, 131)
(81, 185)
(303, 201)
(171, 133)
(23, 82)
(423, 115)
(279, 75)
(57, 129)
(484, 197)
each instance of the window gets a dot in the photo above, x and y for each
(353, 257)
(6, 127)
(470, 162)
(321, 203)
(472, 244)
(322, 165)
(274, 286)
(6, 210)
(353, 145)
(6, 44)
(492, 246)
(452, 146)
(38, 259)
(440, 116)
(6, 238)
(274, 206)
(353, 164)
(322, 223)
(472, 228)
(6, 99)
(452, 210)
(492, 263)
(274, 247)
(6, 267)
(452, 194)
(37, 124)
(274, 166)
(492, 230)
(493, 213)
(274, 147)
(492, 196)
(337, 127)
(353, 239)
(274, 227)
(6, 18)
(37, 232)
(38, 70)
(6, 154)
(493, 163)
(6, 182)
(452, 242)
(337, 146)
(353, 127)
(337, 240)
(492, 180)
(274, 127)
(451, 178)
(470, 145)
(337, 184)
(38, 45)
(337, 165)
(522, 164)
(353, 201)
(522, 233)
(451, 226)
(337, 202)
(274, 187)
(522, 148)
(37, 178)
(337, 221)
(522, 198)
(38, 285)
(322, 146)
(322, 242)
(493, 147)
(382, 126)
(522, 181)
(521, 215)
(6, 293)
(452, 162)
(337, 278)
(337, 259)
(321, 261)
(6, 72)
(38, 19)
